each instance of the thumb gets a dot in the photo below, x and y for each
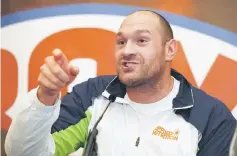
(73, 70)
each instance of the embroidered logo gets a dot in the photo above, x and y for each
(165, 134)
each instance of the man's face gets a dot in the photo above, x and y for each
(139, 51)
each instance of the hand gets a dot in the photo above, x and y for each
(56, 73)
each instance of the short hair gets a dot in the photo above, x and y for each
(167, 30)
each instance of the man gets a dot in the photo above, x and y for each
(147, 109)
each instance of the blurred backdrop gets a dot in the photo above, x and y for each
(85, 31)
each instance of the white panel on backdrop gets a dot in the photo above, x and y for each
(88, 69)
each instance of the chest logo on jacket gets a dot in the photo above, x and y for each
(166, 134)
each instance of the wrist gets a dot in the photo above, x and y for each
(47, 98)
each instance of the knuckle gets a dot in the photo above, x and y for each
(41, 83)
(42, 67)
(58, 82)
(48, 59)
(39, 80)
(44, 72)
(57, 72)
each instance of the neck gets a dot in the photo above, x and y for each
(153, 91)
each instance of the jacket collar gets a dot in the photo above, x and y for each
(183, 100)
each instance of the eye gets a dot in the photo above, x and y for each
(142, 41)
(121, 42)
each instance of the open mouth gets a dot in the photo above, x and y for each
(127, 64)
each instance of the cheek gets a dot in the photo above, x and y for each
(153, 61)
(150, 55)
(117, 56)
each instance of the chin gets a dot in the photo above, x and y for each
(129, 79)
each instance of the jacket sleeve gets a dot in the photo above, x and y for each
(218, 133)
(29, 133)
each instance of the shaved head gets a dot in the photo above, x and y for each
(163, 25)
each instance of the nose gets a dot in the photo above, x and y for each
(129, 49)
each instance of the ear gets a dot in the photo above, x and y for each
(171, 50)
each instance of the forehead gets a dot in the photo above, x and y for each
(140, 21)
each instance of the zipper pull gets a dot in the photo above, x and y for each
(138, 141)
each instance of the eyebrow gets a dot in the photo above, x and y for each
(139, 31)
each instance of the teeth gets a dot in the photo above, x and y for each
(126, 64)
